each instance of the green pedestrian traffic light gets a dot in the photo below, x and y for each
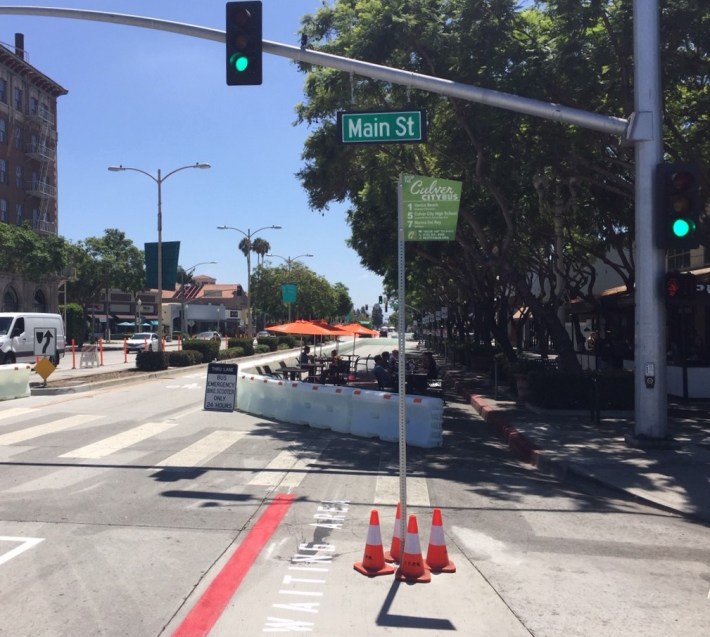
(244, 47)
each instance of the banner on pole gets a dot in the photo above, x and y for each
(431, 208)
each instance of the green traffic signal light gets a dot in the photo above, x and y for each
(244, 44)
(239, 61)
(678, 205)
(682, 227)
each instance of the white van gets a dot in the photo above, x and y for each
(17, 335)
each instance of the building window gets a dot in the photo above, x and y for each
(9, 301)
(678, 259)
(18, 177)
(3, 90)
(3, 171)
(34, 106)
(3, 130)
(18, 138)
(39, 302)
(34, 143)
(3, 210)
(19, 98)
(20, 213)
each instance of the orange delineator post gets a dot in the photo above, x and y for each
(101, 351)
(73, 354)
(125, 350)
(179, 342)
(412, 568)
(437, 557)
(373, 560)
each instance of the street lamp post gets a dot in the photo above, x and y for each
(249, 234)
(183, 322)
(289, 261)
(159, 179)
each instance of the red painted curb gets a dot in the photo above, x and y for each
(519, 444)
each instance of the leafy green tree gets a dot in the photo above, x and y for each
(542, 202)
(33, 256)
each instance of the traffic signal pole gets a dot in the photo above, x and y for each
(643, 129)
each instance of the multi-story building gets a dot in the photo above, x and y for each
(28, 167)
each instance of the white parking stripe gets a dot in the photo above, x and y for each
(120, 441)
(203, 450)
(47, 428)
(387, 491)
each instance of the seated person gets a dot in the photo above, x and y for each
(384, 379)
(304, 358)
(393, 362)
(428, 365)
(331, 368)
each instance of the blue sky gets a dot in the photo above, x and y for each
(151, 100)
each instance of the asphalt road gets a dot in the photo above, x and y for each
(132, 511)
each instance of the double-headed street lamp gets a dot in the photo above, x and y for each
(159, 179)
(189, 270)
(249, 234)
(289, 261)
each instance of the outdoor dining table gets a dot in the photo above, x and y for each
(292, 373)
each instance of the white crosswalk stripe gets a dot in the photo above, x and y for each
(288, 469)
(29, 433)
(203, 450)
(14, 411)
(110, 445)
(387, 491)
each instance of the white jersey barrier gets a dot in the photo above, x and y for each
(361, 412)
(14, 381)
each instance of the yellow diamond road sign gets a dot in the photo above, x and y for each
(44, 368)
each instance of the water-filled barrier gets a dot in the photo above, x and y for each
(350, 410)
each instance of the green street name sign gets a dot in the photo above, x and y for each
(387, 127)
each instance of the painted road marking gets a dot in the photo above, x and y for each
(214, 600)
(14, 411)
(120, 441)
(24, 544)
(59, 480)
(203, 450)
(387, 491)
(47, 428)
(288, 468)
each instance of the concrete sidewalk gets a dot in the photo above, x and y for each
(566, 443)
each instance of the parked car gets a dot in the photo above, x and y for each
(208, 336)
(263, 334)
(137, 342)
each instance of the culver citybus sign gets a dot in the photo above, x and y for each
(382, 127)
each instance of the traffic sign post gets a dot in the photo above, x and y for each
(383, 127)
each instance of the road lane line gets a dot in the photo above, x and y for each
(25, 543)
(208, 609)
(203, 450)
(120, 441)
(55, 426)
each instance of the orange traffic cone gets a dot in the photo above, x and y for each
(395, 552)
(437, 557)
(412, 568)
(373, 561)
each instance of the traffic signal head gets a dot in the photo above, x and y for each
(680, 286)
(678, 206)
(244, 43)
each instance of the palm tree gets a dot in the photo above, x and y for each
(262, 247)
